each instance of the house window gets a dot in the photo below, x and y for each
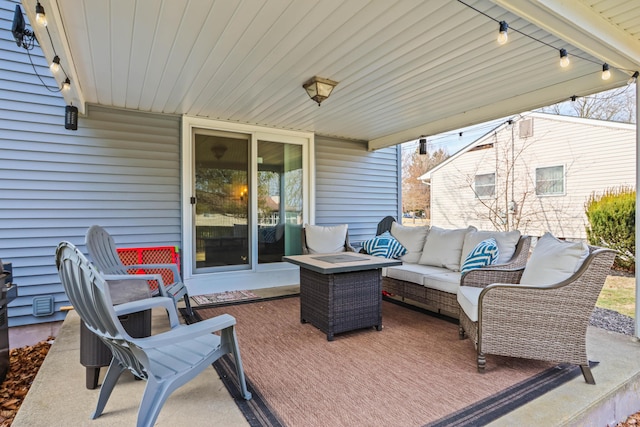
(485, 185)
(550, 181)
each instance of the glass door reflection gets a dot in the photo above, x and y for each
(222, 200)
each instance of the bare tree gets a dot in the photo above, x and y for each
(416, 196)
(618, 105)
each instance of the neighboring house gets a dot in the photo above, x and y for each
(195, 129)
(533, 173)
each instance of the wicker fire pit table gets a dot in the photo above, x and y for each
(341, 292)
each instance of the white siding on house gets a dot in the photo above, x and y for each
(356, 186)
(596, 155)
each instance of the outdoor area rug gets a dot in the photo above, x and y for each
(222, 297)
(415, 372)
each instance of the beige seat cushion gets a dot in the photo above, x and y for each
(553, 261)
(325, 239)
(412, 238)
(468, 297)
(443, 247)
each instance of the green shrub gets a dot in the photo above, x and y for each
(612, 223)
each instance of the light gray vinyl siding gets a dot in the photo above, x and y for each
(356, 186)
(119, 169)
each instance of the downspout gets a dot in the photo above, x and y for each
(637, 318)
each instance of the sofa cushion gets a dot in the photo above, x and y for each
(384, 245)
(443, 247)
(507, 242)
(325, 240)
(553, 261)
(412, 238)
(485, 253)
(468, 297)
(432, 277)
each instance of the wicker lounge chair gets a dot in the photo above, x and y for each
(102, 250)
(166, 360)
(542, 322)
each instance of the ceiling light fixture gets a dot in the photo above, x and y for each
(319, 88)
(564, 58)
(41, 18)
(606, 74)
(502, 35)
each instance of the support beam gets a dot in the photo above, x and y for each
(637, 318)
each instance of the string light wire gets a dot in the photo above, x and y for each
(534, 38)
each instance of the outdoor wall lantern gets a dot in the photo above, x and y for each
(423, 146)
(319, 88)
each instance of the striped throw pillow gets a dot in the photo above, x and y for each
(485, 253)
(384, 245)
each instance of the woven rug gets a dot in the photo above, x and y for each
(414, 372)
(223, 297)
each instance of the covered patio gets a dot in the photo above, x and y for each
(405, 69)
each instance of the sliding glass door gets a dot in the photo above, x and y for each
(249, 199)
(222, 223)
(279, 201)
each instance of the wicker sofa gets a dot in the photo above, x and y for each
(430, 273)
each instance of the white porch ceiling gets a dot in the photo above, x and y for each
(405, 68)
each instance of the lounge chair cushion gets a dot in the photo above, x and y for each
(326, 239)
(485, 253)
(384, 245)
(468, 297)
(412, 238)
(553, 261)
(507, 242)
(443, 247)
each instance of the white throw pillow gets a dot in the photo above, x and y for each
(412, 238)
(553, 261)
(325, 240)
(443, 247)
(506, 240)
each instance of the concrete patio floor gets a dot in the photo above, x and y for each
(58, 396)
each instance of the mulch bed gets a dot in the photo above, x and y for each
(24, 363)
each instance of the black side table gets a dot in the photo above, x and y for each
(94, 354)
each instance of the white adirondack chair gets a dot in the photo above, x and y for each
(167, 360)
(102, 250)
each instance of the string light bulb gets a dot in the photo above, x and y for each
(564, 58)
(502, 34)
(55, 64)
(633, 79)
(41, 18)
(66, 85)
(606, 74)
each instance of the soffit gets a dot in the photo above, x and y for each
(405, 68)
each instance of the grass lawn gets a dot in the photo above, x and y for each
(619, 294)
